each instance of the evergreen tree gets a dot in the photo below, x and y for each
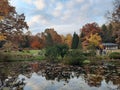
(75, 41)
(49, 40)
(107, 33)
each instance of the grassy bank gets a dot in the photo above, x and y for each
(21, 55)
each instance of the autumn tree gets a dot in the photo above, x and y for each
(11, 23)
(25, 43)
(86, 32)
(36, 42)
(114, 18)
(75, 41)
(94, 41)
(55, 36)
(67, 40)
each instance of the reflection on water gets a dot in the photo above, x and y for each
(45, 76)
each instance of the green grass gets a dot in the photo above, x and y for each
(26, 55)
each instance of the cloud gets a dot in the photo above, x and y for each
(28, 1)
(58, 10)
(40, 4)
(79, 1)
(66, 16)
(67, 28)
(37, 19)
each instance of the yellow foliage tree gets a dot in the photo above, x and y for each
(67, 39)
(95, 40)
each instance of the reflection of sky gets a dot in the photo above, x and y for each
(37, 82)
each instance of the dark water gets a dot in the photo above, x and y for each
(45, 76)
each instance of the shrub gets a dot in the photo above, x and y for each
(86, 61)
(114, 55)
(76, 57)
(54, 52)
(51, 53)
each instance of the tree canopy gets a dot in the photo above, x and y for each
(12, 24)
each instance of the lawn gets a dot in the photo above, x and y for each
(22, 55)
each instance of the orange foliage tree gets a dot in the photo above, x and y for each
(11, 23)
(89, 34)
(55, 36)
(36, 42)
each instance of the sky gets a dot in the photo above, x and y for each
(65, 16)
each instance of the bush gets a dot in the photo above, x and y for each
(114, 55)
(76, 57)
(86, 61)
(56, 51)
(51, 53)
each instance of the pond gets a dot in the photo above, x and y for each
(46, 76)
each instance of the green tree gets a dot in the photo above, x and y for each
(62, 50)
(76, 57)
(51, 53)
(114, 18)
(75, 41)
(107, 33)
(80, 43)
(104, 33)
(49, 40)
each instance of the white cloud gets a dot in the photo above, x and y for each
(34, 20)
(70, 4)
(85, 7)
(67, 14)
(63, 15)
(79, 1)
(65, 29)
(59, 6)
(58, 10)
(28, 1)
(40, 4)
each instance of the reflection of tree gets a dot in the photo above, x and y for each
(115, 79)
(9, 74)
(56, 72)
(94, 80)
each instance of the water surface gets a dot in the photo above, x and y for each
(45, 76)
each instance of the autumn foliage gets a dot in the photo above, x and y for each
(89, 35)
(67, 39)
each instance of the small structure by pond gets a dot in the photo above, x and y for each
(110, 46)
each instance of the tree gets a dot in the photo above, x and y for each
(5, 8)
(36, 42)
(94, 41)
(107, 33)
(75, 41)
(89, 28)
(87, 31)
(49, 40)
(11, 23)
(114, 18)
(62, 50)
(68, 40)
(54, 35)
(26, 41)
(51, 53)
